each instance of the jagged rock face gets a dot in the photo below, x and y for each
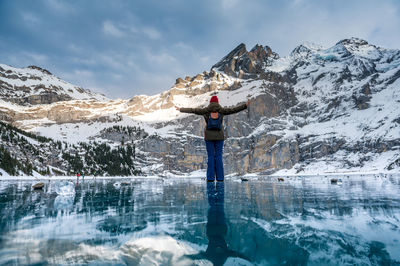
(186, 152)
(43, 98)
(286, 125)
(242, 154)
(243, 64)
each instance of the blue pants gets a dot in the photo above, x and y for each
(214, 163)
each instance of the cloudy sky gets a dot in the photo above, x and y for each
(127, 47)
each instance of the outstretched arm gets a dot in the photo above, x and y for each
(236, 109)
(197, 111)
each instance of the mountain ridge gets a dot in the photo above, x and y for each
(34, 85)
(317, 109)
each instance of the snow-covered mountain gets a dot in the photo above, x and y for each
(34, 85)
(316, 110)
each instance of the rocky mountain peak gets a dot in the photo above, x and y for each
(307, 111)
(358, 48)
(244, 64)
(238, 51)
(232, 55)
(40, 69)
(352, 41)
(300, 50)
(261, 54)
(305, 49)
(349, 47)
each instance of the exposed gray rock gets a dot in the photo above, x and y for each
(40, 69)
(243, 64)
(33, 91)
(288, 122)
(43, 98)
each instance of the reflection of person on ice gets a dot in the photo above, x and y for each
(216, 229)
(214, 134)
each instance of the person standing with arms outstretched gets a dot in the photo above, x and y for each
(214, 133)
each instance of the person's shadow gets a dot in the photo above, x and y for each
(217, 251)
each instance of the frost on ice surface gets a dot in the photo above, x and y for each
(65, 188)
(151, 250)
(62, 202)
(302, 220)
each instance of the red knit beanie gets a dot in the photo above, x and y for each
(214, 99)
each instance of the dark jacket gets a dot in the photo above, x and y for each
(214, 107)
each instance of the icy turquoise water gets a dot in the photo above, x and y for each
(300, 221)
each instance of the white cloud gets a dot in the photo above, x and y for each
(30, 18)
(116, 76)
(297, 2)
(205, 59)
(189, 52)
(150, 83)
(83, 73)
(112, 60)
(183, 46)
(151, 33)
(110, 29)
(284, 26)
(87, 61)
(226, 4)
(160, 57)
(120, 30)
(59, 6)
(78, 77)
(133, 29)
(74, 48)
(38, 58)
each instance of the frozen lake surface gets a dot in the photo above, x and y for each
(298, 221)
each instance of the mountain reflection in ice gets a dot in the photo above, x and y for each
(303, 220)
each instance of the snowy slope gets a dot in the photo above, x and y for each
(317, 109)
(30, 81)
